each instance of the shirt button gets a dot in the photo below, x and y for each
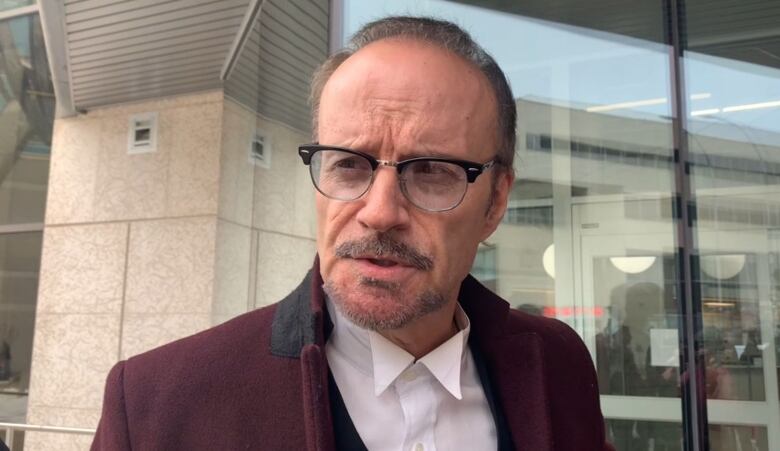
(419, 447)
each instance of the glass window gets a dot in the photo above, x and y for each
(589, 236)
(629, 434)
(734, 145)
(642, 435)
(19, 265)
(11, 4)
(26, 117)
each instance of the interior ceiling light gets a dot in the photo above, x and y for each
(722, 267)
(624, 105)
(632, 265)
(751, 106)
(736, 108)
(636, 103)
(548, 260)
(705, 112)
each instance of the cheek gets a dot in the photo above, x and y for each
(455, 246)
(325, 229)
(460, 249)
(333, 220)
(320, 206)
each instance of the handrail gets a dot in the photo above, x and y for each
(11, 427)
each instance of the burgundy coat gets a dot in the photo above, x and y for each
(260, 381)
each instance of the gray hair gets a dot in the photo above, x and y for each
(447, 36)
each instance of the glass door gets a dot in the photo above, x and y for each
(628, 283)
(625, 257)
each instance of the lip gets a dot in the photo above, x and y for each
(396, 273)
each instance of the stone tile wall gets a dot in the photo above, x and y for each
(128, 254)
(143, 249)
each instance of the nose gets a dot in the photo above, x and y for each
(384, 206)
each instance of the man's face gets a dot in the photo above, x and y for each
(384, 261)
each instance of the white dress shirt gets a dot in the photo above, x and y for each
(397, 403)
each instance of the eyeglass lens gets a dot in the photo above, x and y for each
(430, 185)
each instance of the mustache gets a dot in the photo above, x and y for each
(385, 245)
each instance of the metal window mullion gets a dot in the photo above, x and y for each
(335, 26)
(692, 369)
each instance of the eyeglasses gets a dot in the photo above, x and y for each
(429, 183)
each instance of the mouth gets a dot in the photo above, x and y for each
(382, 262)
(383, 268)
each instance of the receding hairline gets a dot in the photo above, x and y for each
(420, 42)
(473, 69)
(448, 37)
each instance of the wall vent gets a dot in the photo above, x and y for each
(260, 150)
(142, 135)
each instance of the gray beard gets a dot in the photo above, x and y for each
(427, 302)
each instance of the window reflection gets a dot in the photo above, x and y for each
(19, 265)
(732, 329)
(26, 116)
(774, 294)
(636, 350)
(628, 435)
(589, 234)
(11, 4)
(734, 141)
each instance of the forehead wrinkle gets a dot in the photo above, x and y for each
(408, 101)
(378, 125)
(404, 133)
(410, 125)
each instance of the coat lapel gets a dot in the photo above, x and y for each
(517, 372)
(514, 360)
(298, 332)
(516, 365)
(316, 407)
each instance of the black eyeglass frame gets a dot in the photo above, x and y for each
(472, 169)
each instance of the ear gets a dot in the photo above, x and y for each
(500, 199)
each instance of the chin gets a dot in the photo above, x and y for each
(380, 305)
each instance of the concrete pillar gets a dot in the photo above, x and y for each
(142, 249)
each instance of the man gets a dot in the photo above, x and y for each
(387, 343)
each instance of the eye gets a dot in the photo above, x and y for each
(348, 162)
(335, 162)
(345, 162)
(433, 169)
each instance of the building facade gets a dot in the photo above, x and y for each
(150, 188)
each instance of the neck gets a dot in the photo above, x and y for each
(425, 334)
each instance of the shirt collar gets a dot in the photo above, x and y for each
(373, 354)
(446, 361)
